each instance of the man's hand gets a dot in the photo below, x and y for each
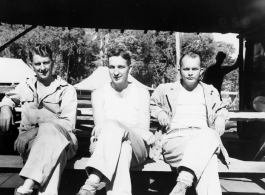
(97, 129)
(220, 125)
(163, 119)
(23, 139)
(148, 137)
(6, 117)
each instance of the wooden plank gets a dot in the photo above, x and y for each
(85, 111)
(236, 166)
(85, 118)
(233, 115)
(246, 116)
(240, 185)
(4, 177)
(9, 161)
(13, 182)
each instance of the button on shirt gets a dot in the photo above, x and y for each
(57, 104)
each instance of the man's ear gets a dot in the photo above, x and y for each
(202, 71)
(30, 65)
(130, 68)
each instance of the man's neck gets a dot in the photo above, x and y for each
(47, 82)
(119, 87)
(191, 88)
(219, 64)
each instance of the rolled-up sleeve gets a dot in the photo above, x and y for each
(12, 98)
(67, 118)
(220, 109)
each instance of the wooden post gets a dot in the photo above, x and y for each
(17, 37)
(241, 82)
(241, 74)
(248, 68)
(177, 54)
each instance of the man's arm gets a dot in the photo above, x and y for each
(221, 113)
(157, 111)
(24, 138)
(68, 107)
(144, 116)
(228, 69)
(11, 99)
(67, 118)
(97, 99)
(156, 102)
(99, 114)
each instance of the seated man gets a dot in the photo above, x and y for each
(122, 119)
(193, 117)
(48, 116)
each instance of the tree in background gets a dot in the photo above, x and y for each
(78, 52)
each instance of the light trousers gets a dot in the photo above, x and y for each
(46, 157)
(195, 149)
(115, 151)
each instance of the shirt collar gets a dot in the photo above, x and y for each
(58, 82)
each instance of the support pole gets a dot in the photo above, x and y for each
(17, 37)
(241, 81)
(177, 54)
(248, 68)
(241, 74)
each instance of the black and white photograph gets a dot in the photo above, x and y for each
(132, 97)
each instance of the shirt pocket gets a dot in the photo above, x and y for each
(29, 97)
(52, 103)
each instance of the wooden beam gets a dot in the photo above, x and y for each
(17, 37)
(248, 67)
(240, 80)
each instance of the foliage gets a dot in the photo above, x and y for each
(78, 52)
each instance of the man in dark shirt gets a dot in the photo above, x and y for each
(215, 73)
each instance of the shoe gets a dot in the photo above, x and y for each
(84, 192)
(18, 193)
(179, 189)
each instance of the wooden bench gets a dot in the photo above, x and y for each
(78, 163)
(84, 127)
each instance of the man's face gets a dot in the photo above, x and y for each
(118, 69)
(42, 66)
(190, 70)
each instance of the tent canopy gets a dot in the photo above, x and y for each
(245, 17)
(14, 70)
(100, 77)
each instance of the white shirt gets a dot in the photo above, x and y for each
(191, 110)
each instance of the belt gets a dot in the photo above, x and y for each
(183, 129)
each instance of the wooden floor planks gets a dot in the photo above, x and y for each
(4, 177)
(240, 185)
(12, 182)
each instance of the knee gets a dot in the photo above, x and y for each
(126, 147)
(48, 129)
(113, 128)
(209, 135)
(126, 151)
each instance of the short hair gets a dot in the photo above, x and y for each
(41, 50)
(120, 52)
(221, 54)
(191, 54)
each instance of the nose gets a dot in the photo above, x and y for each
(116, 71)
(190, 72)
(42, 67)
